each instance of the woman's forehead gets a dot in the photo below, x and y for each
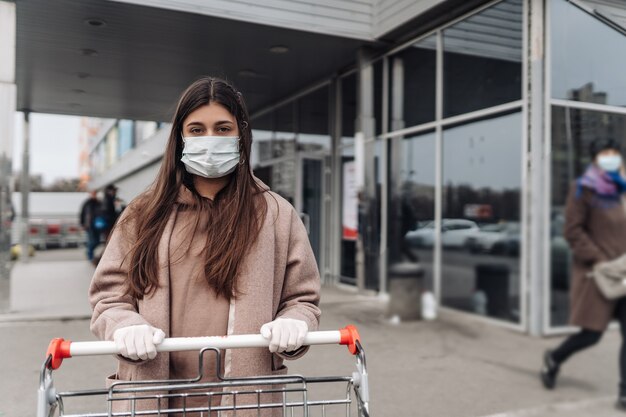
(210, 114)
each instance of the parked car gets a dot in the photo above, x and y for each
(500, 238)
(454, 234)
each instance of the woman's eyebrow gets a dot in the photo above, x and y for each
(195, 123)
(221, 122)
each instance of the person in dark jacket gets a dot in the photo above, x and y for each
(111, 208)
(595, 228)
(90, 210)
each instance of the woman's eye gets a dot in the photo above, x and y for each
(223, 129)
(195, 130)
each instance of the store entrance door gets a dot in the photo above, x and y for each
(301, 182)
(309, 202)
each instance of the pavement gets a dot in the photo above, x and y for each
(455, 366)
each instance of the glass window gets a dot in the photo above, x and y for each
(369, 213)
(111, 146)
(349, 216)
(98, 160)
(572, 132)
(414, 69)
(483, 59)
(127, 137)
(274, 134)
(588, 57)
(313, 121)
(284, 139)
(412, 202)
(482, 168)
(280, 177)
(262, 134)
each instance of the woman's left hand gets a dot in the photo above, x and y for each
(285, 335)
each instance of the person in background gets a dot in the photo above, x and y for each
(111, 208)
(595, 228)
(89, 211)
(207, 250)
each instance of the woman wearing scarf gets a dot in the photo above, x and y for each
(595, 228)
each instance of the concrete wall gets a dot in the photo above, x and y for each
(45, 205)
(130, 187)
(132, 164)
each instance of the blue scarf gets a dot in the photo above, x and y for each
(604, 184)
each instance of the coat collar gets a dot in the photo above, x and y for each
(186, 196)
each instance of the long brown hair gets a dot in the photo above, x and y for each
(234, 217)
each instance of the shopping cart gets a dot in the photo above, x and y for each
(285, 396)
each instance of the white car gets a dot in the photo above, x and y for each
(493, 237)
(454, 234)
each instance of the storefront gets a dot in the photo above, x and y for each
(455, 150)
(452, 148)
(585, 99)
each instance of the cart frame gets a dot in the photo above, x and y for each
(288, 395)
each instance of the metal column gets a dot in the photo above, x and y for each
(538, 186)
(335, 238)
(367, 248)
(7, 114)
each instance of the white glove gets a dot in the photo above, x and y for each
(138, 342)
(285, 335)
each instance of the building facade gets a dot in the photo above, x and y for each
(449, 138)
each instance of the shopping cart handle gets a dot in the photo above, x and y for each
(59, 349)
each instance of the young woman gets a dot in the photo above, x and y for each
(595, 227)
(207, 250)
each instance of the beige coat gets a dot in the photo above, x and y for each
(279, 278)
(596, 231)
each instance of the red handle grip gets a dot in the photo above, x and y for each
(59, 349)
(349, 337)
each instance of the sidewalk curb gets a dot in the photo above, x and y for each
(20, 318)
(543, 410)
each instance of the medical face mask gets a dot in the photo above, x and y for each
(610, 163)
(211, 156)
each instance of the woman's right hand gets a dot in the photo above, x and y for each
(138, 342)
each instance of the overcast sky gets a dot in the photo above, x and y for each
(54, 145)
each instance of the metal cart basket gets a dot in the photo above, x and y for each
(261, 396)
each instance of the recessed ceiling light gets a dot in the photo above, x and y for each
(73, 104)
(248, 73)
(79, 91)
(83, 75)
(95, 22)
(279, 49)
(89, 52)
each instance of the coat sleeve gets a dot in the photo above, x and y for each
(112, 308)
(81, 216)
(576, 214)
(301, 287)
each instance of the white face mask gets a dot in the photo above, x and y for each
(211, 156)
(610, 163)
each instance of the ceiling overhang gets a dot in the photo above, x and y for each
(109, 59)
